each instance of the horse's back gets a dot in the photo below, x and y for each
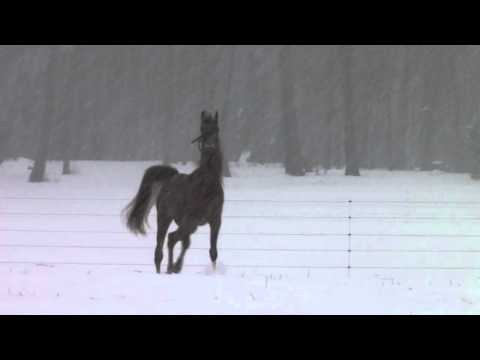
(185, 196)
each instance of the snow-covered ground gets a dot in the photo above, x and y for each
(284, 249)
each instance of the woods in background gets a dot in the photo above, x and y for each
(398, 107)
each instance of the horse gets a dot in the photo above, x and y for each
(190, 200)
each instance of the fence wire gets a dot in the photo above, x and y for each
(349, 234)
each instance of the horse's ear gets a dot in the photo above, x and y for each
(216, 117)
(202, 116)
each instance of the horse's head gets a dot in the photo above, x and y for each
(209, 129)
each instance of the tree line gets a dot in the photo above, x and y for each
(397, 107)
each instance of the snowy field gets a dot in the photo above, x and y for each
(284, 246)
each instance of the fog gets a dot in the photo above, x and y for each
(397, 107)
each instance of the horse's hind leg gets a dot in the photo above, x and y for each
(183, 233)
(177, 267)
(162, 227)
(214, 231)
(173, 238)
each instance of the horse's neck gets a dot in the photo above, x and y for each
(211, 164)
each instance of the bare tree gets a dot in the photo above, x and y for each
(351, 153)
(331, 110)
(38, 170)
(402, 104)
(432, 65)
(169, 104)
(227, 106)
(67, 120)
(397, 105)
(9, 56)
(5, 133)
(474, 147)
(294, 164)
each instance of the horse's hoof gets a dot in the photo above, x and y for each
(177, 269)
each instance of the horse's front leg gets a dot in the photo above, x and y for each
(163, 224)
(214, 231)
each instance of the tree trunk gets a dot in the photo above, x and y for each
(169, 119)
(38, 171)
(458, 159)
(227, 109)
(248, 104)
(69, 108)
(389, 135)
(294, 164)
(475, 173)
(5, 134)
(427, 129)
(426, 155)
(351, 154)
(331, 111)
(397, 106)
(327, 164)
(474, 140)
(204, 79)
(156, 88)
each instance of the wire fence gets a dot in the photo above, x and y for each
(248, 266)
(349, 234)
(275, 217)
(266, 201)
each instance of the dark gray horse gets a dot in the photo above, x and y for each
(189, 200)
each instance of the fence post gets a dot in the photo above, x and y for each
(349, 265)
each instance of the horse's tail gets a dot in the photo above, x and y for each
(137, 211)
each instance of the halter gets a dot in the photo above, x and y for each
(204, 137)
